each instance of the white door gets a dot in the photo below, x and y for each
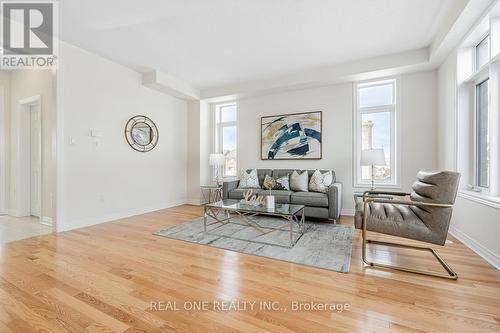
(35, 161)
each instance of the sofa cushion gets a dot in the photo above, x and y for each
(281, 183)
(279, 196)
(277, 173)
(249, 180)
(320, 182)
(238, 193)
(299, 181)
(315, 199)
(261, 174)
(311, 172)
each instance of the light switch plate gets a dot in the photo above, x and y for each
(95, 133)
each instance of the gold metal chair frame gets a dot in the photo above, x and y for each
(367, 198)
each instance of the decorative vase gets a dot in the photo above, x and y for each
(270, 201)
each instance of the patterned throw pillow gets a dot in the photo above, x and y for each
(299, 182)
(281, 183)
(320, 181)
(249, 180)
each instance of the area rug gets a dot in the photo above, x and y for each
(323, 245)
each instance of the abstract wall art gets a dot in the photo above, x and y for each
(291, 136)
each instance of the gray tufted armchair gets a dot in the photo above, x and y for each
(425, 217)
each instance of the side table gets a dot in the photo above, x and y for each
(210, 193)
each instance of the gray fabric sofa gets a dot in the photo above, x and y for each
(318, 205)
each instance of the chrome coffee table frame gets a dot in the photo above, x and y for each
(295, 219)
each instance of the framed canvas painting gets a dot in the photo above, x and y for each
(295, 136)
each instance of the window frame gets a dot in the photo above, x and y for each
(218, 131)
(476, 187)
(395, 112)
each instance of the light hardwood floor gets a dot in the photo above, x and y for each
(16, 228)
(104, 278)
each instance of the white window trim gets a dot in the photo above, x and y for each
(218, 126)
(396, 115)
(475, 186)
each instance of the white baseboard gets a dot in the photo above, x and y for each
(195, 202)
(116, 216)
(347, 212)
(46, 221)
(16, 213)
(475, 246)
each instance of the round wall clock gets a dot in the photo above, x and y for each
(141, 133)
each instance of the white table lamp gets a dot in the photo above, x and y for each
(373, 157)
(217, 160)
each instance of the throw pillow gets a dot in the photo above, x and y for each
(249, 180)
(281, 183)
(320, 181)
(298, 182)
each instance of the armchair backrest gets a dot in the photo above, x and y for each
(436, 187)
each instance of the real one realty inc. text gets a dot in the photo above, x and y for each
(248, 305)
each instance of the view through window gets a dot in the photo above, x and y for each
(482, 136)
(226, 135)
(375, 128)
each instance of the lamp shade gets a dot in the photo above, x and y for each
(373, 157)
(217, 159)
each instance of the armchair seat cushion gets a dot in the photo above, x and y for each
(396, 220)
(314, 199)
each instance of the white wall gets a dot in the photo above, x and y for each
(193, 154)
(418, 112)
(4, 141)
(199, 148)
(447, 122)
(103, 178)
(206, 142)
(475, 224)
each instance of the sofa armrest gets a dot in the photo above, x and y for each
(228, 186)
(334, 200)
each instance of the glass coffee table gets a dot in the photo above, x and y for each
(292, 214)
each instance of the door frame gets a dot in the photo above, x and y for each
(24, 174)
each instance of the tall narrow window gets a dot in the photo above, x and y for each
(482, 137)
(375, 128)
(225, 136)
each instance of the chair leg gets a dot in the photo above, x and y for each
(452, 275)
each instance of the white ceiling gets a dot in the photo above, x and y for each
(212, 43)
